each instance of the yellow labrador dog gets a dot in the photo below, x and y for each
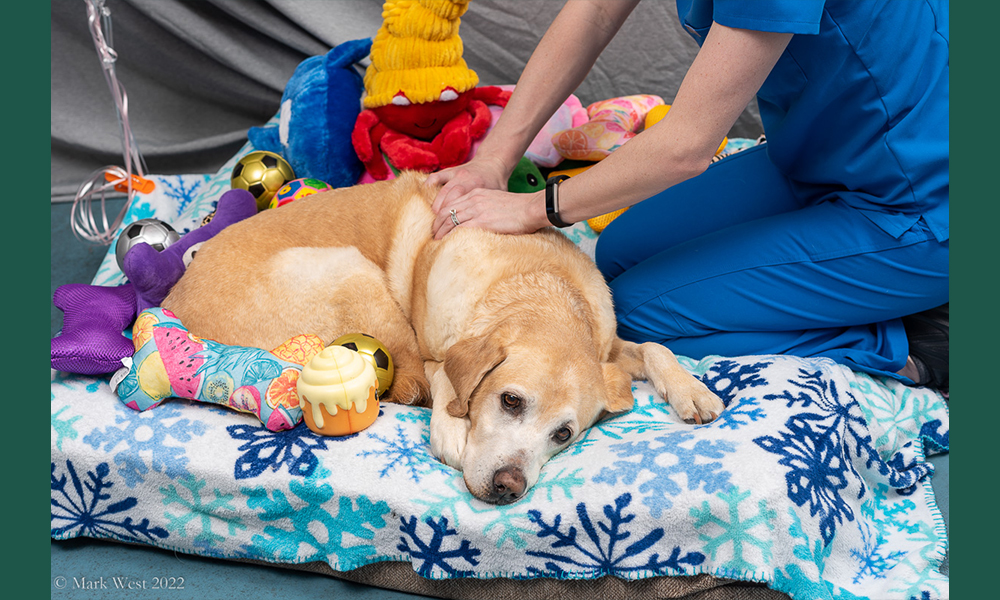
(510, 339)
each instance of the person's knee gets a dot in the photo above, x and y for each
(608, 254)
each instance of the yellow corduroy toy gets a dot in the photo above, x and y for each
(422, 108)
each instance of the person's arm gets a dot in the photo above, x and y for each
(728, 70)
(560, 62)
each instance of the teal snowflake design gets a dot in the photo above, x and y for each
(315, 533)
(793, 578)
(63, 428)
(898, 411)
(510, 520)
(914, 573)
(649, 413)
(736, 530)
(195, 509)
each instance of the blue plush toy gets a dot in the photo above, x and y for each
(321, 102)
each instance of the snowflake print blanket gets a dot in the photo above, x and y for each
(814, 480)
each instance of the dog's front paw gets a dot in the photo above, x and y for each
(695, 403)
(448, 436)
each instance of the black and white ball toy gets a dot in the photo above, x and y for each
(154, 232)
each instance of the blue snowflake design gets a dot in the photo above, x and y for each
(728, 377)
(182, 192)
(506, 520)
(140, 433)
(604, 553)
(87, 508)
(411, 456)
(263, 449)
(931, 433)
(815, 448)
(690, 463)
(739, 414)
(431, 552)
(817, 470)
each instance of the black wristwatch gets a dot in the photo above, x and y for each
(552, 200)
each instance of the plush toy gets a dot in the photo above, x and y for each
(171, 362)
(319, 107)
(337, 389)
(570, 113)
(612, 123)
(526, 178)
(422, 109)
(91, 340)
(154, 273)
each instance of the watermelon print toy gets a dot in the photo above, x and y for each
(170, 361)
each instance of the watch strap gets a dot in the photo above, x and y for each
(552, 200)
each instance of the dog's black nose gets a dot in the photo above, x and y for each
(508, 485)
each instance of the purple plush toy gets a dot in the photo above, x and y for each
(91, 340)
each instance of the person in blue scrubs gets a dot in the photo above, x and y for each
(816, 243)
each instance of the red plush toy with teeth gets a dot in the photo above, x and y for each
(423, 109)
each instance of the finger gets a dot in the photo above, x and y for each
(439, 178)
(443, 196)
(449, 195)
(442, 221)
(443, 227)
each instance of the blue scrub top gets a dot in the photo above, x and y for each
(857, 106)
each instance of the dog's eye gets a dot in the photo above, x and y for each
(510, 401)
(562, 435)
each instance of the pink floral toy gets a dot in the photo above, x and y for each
(612, 123)
(91, 340)
(169, 361)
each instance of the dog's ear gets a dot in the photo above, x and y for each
(466, 363)
(617, 389)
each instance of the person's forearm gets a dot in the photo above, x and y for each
(556, 68)
(724, 77)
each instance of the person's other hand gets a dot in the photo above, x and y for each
(495, 210)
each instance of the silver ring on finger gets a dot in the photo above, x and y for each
(454, 218)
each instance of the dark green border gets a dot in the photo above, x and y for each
(975, 213)
(26, 102)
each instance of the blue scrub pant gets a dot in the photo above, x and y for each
(733, 263)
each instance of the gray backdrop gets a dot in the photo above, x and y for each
(199, 73)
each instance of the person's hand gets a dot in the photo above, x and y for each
(495, 210)
(480, 172)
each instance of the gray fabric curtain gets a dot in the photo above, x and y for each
(199, 73)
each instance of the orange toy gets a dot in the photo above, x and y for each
(337, 390)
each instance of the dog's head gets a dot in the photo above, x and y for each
(527, 397)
